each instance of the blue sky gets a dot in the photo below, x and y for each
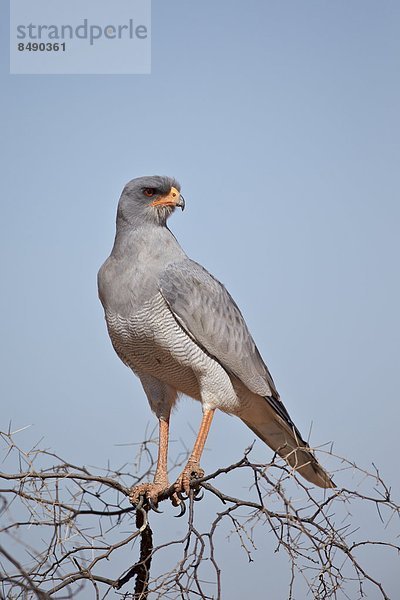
(281, 121)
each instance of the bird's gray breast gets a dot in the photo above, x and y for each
(130, 276)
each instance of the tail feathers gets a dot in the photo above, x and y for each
(285, 439)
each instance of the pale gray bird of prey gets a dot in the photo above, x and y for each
(180, 332)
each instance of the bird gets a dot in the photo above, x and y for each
(180, 331)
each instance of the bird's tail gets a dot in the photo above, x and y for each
(283, 437)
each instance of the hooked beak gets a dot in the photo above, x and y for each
(174, 198)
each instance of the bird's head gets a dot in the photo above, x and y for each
(149, 199)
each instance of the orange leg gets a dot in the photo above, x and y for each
(160, 482)
(161, 475)
(192, 468)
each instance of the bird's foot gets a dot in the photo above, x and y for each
(190, 472)
(147, 493)
(150, 493)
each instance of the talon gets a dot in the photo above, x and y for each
(147, 494)
(180, 490)
(153, 506)
(139, 505)
(182, 507)
(176, 501)
(191, 472)
(180, 496)
(198, 495)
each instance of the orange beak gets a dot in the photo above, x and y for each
(174, 198)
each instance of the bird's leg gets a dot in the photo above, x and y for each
(151, 491)
(192, 469)
(161, 474)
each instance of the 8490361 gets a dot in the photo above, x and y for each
(41, 47)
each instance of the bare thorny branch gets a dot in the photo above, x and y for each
(65, 527)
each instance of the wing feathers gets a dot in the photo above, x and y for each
(209, 314)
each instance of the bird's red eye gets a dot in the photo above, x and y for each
(149, 192)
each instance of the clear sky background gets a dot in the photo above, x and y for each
(281, 121)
